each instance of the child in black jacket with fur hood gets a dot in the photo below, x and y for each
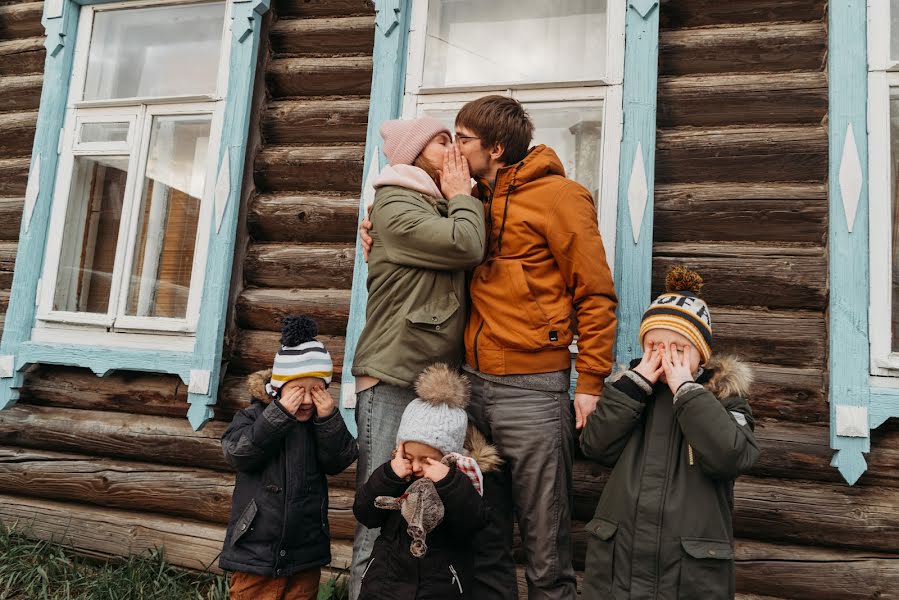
(427, 499)
(282, 447)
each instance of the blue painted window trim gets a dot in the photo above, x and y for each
(633, 258)
(60, 20)
(850, 284)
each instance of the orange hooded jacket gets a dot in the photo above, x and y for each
(545, 264)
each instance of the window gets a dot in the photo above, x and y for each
(883, 115)
(127, 246)
(563, 61)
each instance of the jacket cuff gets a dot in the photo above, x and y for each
(590, 383)
(626, 385)
(685, 388)
(277, 417)
(390, 475)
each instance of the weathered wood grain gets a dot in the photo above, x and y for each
(291, 77)
(155, 439)
(773, 276)
(762, 212)
(323, 8)
(742, 154)
(17, 133)
(13, 176)
(315, 121)
(702, 13)
(321, 168)
(787, 338)
(751, 98)
(255, 351)
(303, 219)
(751, 48)
(10, 218)
(21, 20)
(20, 92)
(326, 36)
(789, 394)
(307, 266)
(22, 56)
(264, 309)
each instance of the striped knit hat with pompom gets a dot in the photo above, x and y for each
(301, 355)
(680, 309)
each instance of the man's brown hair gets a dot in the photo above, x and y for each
(498, 119)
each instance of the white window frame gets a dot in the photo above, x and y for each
(115, 328)
(608, 89)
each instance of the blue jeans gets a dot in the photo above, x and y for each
(379, 410)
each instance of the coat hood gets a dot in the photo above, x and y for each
(409, 177)
(256, 385)
(541, 161)
(486, 455)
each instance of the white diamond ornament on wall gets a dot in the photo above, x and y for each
(32, 189)
(222, 190)
(850, 177)
(637, 192)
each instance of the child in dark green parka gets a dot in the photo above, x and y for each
(676, 429)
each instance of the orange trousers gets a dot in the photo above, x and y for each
(302, 586)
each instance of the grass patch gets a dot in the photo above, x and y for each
(40, 570)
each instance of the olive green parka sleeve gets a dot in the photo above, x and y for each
(610, 426)
(720, 431)
(414, 234)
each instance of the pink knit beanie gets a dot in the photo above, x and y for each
(405, 139)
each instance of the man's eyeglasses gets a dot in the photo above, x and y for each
(465, 138)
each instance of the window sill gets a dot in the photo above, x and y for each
(92, 337)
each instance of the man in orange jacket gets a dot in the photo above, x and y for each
(545, 265)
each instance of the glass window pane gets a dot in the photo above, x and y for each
(572, 129)
(894, 173)
(169, 212)
(103, 132)
(473, 42)
(155, 51)
(90, 237)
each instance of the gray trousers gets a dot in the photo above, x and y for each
(534, 432)
(378, 413)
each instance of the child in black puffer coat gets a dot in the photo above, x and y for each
(427, 554)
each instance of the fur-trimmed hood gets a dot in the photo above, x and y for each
(486, 455)
(724, 375)
(256, 385)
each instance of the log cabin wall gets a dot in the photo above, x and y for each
(113, 465)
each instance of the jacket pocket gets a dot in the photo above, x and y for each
(244, 522)
(707, 569)
(433, 315)
(600, 565)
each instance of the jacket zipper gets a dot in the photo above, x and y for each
(367, 567)
(477, 362)
(284, 510)
(690, 454)
(456, 579)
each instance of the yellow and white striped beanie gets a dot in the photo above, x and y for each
(301, 355)
(681, 310)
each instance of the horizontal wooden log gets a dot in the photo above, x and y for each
(21, 20)
(20, 92)
(292, 169)
(341, 76)
(255, 350)
(104, 532)
(306, 218)
(315, 121)
(768, 98)
(153, 439)
(773, 276)
(742, 154)
(812, 573)
(323, 8)
(309, 266)
(328, 36)
(789, 394)
(751, 48)
(13, 175)
(788, 338)
(264, 309)
(772, 212)
(702, 13)
(22, 56)
(10, 218)
(199, 494)
(17, 133)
